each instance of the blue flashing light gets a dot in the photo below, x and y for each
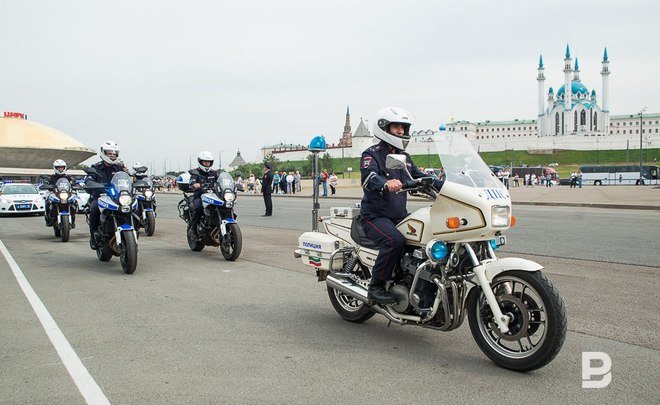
(112, 191)
(442, 127)
(439, 250)
(317, 144)
(493, 244)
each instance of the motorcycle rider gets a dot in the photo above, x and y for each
(59, 172)
(109, 165)
(139, 175)
(205, 176)
(382, 207)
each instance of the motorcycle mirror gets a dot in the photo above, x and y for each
(193, 172)
(89, 170)
(395, 161)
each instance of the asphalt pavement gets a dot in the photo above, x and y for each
(189, 327)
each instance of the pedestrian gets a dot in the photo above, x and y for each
(289, 183)
(527, 180)
(333, 183)
(267, 189)
(533, 179)
(573, 182)
(276, 183)
(505, 177)
(516, 180)
(298, 182)
(579, 178)
(324, 182)
(283, 182)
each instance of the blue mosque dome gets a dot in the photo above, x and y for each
(576, 87)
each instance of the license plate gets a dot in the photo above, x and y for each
(501, 240)
(23, 206)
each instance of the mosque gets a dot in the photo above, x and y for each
(572, 118)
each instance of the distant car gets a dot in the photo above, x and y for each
(553, 164)
(20, 199)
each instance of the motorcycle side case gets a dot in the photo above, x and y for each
(316, 248)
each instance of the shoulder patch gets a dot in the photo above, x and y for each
(366, 161)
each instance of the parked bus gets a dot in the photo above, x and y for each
(619, 175)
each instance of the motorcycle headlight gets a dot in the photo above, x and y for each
(229, 196)
(63, 195)
(148, 193)
(499, 216)
(125, 199)
(436, 249)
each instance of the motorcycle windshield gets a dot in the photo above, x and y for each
(121, 181)
(63, 185)
(225, 182)
(462, 164)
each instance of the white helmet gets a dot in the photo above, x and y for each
(59, 163)
(137, 165)
(207, 157)
(393, 115)
(110, 147)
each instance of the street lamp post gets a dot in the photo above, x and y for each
(641, 129)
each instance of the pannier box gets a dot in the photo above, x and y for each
(344, 212)
(316, 248)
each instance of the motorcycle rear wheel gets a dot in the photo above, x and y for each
(128, 252)
(349, 308)
(150, 224)
(232, 243)
(103, 252)
(539, 324)
(56, 230)
(194, 243)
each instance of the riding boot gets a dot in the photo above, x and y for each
(378, 293)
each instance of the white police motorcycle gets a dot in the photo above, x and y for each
(116, 234)
(218, 226)
(449, 268)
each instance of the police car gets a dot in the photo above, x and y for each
(20, 198)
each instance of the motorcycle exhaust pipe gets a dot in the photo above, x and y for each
(359, 293)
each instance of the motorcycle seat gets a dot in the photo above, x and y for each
(360, 236)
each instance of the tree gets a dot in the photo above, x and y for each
(272, 160)
(326, 162)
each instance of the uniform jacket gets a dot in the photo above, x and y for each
(378, 202)
(204, 179)
(267, 183)
(52, 180)
(104, 174)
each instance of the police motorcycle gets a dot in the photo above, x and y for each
(217, 226)
(117, 232)
(449, 268)
(146, 200)
(63, 204)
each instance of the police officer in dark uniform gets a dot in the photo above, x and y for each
(59, 168)
(205, 177)
(382, 207)
(105, 169)
(267, 189)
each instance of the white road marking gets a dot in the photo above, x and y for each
(77, 370)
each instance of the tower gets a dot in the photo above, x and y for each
(606, 84)
(576, 73)
(568, 73)
(541, 80)
(347, 136)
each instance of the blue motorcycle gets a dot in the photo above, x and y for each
(218, 226)
(62, 206)
(143, 189)
(116, 234)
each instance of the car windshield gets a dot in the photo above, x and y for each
(462, 164)
(121, 181)
(63, 185)
(225, 182)
(19, 189)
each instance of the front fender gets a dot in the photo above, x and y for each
(509, 263)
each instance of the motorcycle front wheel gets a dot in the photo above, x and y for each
(65, 228)
(232, 243)
(349, 308)
(538, 320)
(128, 253)
(150, 224)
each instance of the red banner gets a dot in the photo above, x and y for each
(9, 114)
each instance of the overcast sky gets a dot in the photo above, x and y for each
(166, 79)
